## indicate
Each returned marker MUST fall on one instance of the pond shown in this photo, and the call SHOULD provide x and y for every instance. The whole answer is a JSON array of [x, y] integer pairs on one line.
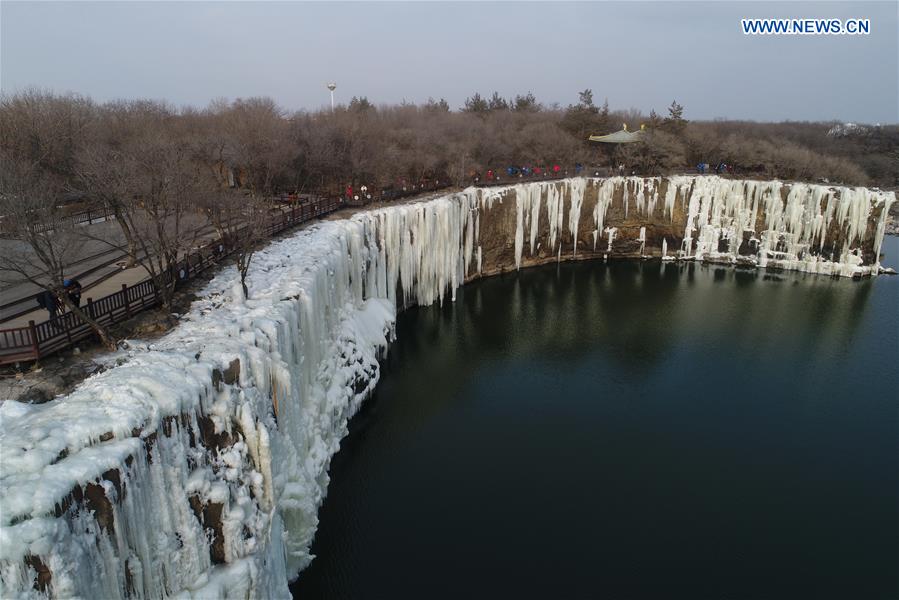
[[627, 430]]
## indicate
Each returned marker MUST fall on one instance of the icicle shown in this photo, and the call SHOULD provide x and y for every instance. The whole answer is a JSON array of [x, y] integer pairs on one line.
[[303, 349], [604, 194], [576, 189], [611, 231], [520, 204], [665, 256]]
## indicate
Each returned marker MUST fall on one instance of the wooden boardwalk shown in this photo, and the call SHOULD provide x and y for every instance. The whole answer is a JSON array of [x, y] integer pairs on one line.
[[36, 340]]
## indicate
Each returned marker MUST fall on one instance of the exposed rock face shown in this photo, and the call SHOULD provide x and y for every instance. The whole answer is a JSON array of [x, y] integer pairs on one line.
[[767, 224], [196, 463]]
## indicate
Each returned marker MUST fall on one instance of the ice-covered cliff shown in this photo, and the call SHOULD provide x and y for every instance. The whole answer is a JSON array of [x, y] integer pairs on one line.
[[195, 465], [803, 227]]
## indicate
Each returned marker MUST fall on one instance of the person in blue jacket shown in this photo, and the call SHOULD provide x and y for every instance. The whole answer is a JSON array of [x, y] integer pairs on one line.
[[73, 290]]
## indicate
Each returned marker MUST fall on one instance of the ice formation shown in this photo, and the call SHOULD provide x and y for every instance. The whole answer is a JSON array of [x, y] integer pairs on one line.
[[194, 465], [759, 223]]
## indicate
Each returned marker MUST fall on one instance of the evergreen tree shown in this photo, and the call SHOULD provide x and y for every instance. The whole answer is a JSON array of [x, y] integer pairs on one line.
[[526, 103], [497, 102], [675, 121], [437, 105], [476, 104], [586, 100], [360, 104]]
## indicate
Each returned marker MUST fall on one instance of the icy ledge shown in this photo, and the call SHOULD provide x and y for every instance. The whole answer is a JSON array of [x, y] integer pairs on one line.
[[195, 465]]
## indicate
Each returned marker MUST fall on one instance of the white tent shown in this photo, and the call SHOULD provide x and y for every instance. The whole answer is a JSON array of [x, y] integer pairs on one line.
[[619, 137]]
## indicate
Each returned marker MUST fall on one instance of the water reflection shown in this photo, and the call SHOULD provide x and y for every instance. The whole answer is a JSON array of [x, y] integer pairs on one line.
[[627, 429], [642, 308]]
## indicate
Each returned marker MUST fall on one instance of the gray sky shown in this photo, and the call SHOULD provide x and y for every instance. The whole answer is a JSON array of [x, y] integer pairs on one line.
[[637, 54]]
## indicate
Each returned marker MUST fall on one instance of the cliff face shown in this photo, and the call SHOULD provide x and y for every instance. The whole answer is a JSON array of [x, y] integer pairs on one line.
[[802, 227], [196, 465]]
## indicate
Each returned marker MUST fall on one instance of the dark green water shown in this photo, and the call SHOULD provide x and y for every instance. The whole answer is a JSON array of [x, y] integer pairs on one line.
[[629, 430]]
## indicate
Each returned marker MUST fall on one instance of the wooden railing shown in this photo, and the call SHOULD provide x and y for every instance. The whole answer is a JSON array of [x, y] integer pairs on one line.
[[37, 340], [389, 194], [88, 217]]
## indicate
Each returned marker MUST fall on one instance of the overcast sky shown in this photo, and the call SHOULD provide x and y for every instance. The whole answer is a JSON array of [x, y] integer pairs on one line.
[[637, 54]]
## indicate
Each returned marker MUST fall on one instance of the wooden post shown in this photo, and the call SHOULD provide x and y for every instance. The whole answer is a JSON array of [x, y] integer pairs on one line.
[[65, 319], [35, 346], [90, 308], [125, 296]]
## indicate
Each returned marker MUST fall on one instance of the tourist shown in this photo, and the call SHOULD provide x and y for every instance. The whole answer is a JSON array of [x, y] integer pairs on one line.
[[73, 290], [48, 300]]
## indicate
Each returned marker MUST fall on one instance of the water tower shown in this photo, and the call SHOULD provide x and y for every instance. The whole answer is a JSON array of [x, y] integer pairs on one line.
[[332, 86]]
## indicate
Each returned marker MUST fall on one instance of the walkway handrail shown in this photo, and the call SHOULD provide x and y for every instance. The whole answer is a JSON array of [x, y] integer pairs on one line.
[[89, 216], [36, 340]]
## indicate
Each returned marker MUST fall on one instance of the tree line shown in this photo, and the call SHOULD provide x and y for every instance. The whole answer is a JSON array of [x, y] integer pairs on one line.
[[266, 148], [168, 174]]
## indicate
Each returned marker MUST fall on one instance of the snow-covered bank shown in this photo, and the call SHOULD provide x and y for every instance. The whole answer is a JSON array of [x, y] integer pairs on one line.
[[195, 465]]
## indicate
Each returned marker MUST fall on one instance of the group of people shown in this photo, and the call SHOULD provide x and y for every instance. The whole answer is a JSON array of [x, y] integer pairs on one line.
[[54, 304], [721, 168], [400, 188], [361, 194], [527, 171]]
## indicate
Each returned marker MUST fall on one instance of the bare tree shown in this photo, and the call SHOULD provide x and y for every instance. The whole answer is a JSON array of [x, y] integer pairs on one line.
[[249, 138], [46, 243], [240, 220], [43, 129], [160, 180], [100, 169]]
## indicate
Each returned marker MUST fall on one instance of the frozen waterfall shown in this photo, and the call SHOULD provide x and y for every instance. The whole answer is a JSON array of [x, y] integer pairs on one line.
[[194, 465]]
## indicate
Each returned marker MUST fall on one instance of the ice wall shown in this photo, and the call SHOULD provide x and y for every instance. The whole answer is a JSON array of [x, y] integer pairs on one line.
[[803, 227], [194, 465]]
